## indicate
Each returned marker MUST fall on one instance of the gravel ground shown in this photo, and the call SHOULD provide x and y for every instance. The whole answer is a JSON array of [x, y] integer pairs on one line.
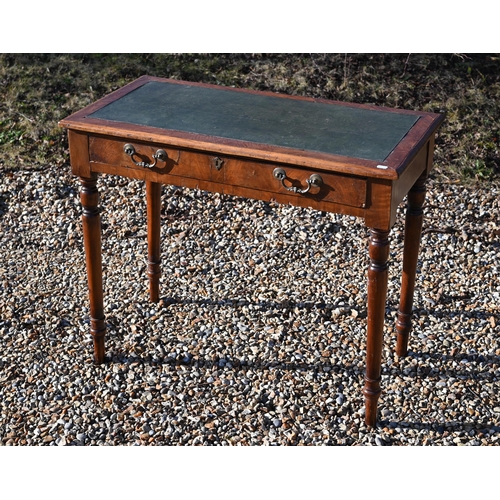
[[259, 338]]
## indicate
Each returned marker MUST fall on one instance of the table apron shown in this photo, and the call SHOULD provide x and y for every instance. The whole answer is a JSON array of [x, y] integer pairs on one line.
[[231, 175]]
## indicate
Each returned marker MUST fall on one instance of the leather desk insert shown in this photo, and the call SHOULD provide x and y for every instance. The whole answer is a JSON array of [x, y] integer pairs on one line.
[[346, 158], [262, 119]]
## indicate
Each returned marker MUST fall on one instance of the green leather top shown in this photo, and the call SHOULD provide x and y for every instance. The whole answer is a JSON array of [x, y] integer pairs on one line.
[[292, 123]]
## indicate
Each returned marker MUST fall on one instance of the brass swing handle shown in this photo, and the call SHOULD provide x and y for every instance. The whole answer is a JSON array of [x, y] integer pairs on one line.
[[314, 180], [161, 155]]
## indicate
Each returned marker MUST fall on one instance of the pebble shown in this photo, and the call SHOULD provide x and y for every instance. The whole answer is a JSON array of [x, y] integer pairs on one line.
[[231, 356]]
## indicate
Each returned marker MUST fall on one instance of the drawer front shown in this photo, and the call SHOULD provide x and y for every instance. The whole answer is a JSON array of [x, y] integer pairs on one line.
[[293, 181], [181, 163], [229, 171]]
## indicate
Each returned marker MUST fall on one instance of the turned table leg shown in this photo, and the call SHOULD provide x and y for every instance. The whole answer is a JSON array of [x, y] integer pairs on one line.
[[153, 196], [413, 230], [91, 219], [377, 292]]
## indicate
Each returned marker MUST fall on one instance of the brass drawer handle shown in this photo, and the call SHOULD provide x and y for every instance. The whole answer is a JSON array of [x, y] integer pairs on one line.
[[161, 155], [314, 180]]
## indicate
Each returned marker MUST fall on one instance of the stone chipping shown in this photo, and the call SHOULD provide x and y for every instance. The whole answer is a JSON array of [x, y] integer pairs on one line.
[[259, 338]]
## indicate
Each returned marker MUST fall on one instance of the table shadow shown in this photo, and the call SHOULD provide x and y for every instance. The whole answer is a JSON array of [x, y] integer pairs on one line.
[[464, 367], [483, 362]]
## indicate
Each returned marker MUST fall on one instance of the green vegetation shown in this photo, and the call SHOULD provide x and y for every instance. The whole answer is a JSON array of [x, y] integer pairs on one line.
[[38, 90]]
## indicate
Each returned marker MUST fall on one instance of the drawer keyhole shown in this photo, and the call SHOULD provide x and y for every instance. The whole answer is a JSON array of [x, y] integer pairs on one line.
[[217, 163]]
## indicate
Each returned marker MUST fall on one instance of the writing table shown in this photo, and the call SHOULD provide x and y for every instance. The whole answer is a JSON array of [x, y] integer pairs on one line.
[[353, 159]]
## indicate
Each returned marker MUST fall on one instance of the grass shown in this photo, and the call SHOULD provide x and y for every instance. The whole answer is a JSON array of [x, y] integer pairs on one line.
[[38, 90]]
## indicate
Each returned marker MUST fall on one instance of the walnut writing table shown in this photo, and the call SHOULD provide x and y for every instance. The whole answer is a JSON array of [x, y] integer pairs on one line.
[[337, 157]]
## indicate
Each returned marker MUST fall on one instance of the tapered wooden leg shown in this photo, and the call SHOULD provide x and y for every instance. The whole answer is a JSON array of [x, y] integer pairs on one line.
[[91, 219], [153, 195], [413, 230], [377, 292]]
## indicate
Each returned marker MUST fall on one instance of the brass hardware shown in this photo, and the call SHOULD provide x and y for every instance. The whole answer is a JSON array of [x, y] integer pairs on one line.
[[315, 180], [217, 163], [129, 149], [160, 155]]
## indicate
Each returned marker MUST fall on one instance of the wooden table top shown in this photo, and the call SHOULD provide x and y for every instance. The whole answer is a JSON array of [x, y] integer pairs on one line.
[[343, 137]]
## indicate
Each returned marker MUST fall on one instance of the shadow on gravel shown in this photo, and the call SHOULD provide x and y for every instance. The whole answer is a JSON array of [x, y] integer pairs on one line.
[[473, 366], [479, 373], [455, 431], [188, 360], [441, 428], [3, 205], [470, 370], [264, 304], [483, 361]]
